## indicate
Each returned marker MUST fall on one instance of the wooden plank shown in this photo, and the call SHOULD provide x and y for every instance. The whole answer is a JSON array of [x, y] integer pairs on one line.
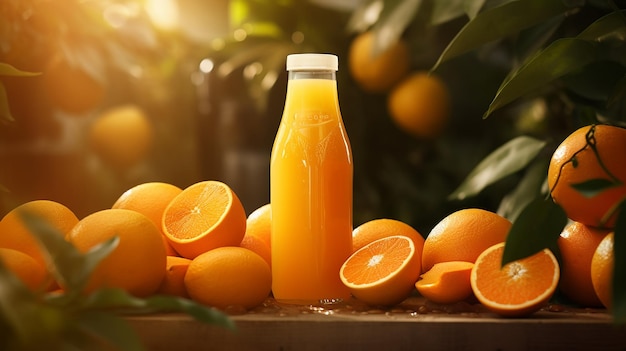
[[545, 330]]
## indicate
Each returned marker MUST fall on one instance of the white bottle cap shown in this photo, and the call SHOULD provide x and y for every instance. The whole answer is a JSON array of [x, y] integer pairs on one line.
[[316, 62]]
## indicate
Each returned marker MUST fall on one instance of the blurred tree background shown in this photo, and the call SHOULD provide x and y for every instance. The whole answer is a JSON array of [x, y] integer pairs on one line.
[[196, 90]]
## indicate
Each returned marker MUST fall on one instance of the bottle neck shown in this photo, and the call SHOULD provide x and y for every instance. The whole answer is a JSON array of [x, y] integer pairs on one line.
[[328, 75]]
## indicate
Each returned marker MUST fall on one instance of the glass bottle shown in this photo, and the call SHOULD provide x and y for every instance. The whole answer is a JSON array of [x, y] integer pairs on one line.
[[311, 173]]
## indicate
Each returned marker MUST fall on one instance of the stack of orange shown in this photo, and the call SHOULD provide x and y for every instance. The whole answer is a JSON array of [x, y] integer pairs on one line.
[[21, 251], [591, 154]]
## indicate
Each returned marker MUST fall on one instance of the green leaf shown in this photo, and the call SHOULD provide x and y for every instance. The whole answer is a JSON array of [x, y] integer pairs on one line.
[[391, 26], [199, 312], [121, 301], [597, 81], [619, 267], [71, 267], [108, 327], [562, 57], [10, 71], [364, 16], [446, 10], [506, 160], [499, 22], [527, 190], [5, 111], [537, 227], [593, 187], [610, 27]]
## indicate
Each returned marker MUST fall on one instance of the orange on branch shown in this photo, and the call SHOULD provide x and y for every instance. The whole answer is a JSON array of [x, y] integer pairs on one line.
[[593, 153], [420, 105], [377, 73]]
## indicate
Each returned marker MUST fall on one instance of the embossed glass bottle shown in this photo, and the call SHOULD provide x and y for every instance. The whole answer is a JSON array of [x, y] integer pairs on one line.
[[311, 175]]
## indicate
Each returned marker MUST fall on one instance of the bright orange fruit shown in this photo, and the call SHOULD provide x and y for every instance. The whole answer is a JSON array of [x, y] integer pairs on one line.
[[575, 162], [26, 269], [204, 216], [381, 228], [577, 244], [174, 280], [138, 262], [150, 199], [463, 235], [447, 282], [383, 272], [518, 288], [257, 245], [602, 264], [420, 105], [15, 235], [259, 224], [229, 277], [377, 73]]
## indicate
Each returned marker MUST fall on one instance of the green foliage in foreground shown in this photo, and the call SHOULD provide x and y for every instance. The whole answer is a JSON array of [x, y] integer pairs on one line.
[[73, 320]]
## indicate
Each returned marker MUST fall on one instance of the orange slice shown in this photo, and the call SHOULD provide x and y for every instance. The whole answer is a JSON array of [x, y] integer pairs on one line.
[[204, 216], [446, 282], [518, 288], [384, 271]]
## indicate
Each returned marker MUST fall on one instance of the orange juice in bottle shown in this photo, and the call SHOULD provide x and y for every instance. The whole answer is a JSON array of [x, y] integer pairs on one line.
[[311, 174]]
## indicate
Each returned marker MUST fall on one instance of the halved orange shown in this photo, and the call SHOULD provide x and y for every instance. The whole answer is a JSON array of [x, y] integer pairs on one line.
[[204, 216], [447, 282], [518, 288], [384, 271]]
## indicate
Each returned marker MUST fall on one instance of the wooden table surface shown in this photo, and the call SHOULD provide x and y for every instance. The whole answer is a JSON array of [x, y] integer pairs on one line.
[[417, 327]]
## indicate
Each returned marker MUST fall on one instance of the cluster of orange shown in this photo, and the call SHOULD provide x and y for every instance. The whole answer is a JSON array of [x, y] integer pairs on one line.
[[462, 255], [591, 154], [198, 243], [418, 102], [460, 258], [194, 242]]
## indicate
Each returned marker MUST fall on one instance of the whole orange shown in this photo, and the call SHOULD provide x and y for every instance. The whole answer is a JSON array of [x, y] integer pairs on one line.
[[373, 72], [138, 262], [32, 274], [590, 154], [420, 105], [463, 235], [174, 281], [259, 224], [150, 199], [121, 136], [15, 235], [229, 276], [577, 244], [602, 264]]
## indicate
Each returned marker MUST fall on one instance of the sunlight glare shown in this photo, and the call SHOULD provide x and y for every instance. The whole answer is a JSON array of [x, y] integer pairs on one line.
[[163, 13]]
